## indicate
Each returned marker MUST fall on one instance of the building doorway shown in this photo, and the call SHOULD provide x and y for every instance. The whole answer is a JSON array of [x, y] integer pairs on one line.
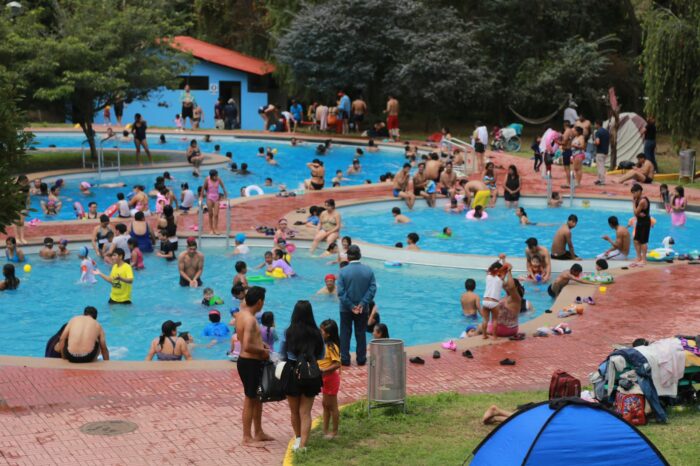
[[232, 90]]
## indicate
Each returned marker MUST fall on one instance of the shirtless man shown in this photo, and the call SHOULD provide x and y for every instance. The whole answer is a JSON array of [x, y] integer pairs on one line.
[[48, 252], [358, 110], [399, 217], [433, 167], [392, 118], [642, 173], [533, 250], [329, 287], [448, 181], [567, 136], [191, 265], [473, 187], [400, 186], [249, 364], [562, 240], [83, 339], [584, 124], [420, 184], [620, 248], [564, 278], [318, 176]]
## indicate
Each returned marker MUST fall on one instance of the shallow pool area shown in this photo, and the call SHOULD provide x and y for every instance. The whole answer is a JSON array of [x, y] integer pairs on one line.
[[419, 304], [290, 171], [502, 232]]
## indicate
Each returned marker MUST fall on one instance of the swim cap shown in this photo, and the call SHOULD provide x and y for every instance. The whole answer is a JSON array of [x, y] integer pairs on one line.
[[330, 276], [470, 327], [214, 312], [85, 184], [83, 251], [240, 237]]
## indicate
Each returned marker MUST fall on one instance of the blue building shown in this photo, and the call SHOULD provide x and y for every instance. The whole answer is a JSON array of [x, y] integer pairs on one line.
[[217, 72]]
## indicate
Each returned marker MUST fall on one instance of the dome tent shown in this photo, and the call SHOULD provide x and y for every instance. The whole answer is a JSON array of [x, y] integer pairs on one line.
[[568, 431]]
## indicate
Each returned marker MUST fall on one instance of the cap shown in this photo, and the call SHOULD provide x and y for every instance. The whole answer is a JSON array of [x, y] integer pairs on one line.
[[214, 312], [234, 310], [240, 237], [191, 241], [85, 184], [330, 276], [63, 241], [83, 251], [168, 327], [531, 241]]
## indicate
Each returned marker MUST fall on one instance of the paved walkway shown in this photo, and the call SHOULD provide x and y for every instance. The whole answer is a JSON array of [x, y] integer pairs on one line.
[[193, 417]]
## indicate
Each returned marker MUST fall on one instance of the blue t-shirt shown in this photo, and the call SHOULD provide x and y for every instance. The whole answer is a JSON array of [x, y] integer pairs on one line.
[[313, 219], [603, 135], [216, 329], [296, 110], [345, 104]]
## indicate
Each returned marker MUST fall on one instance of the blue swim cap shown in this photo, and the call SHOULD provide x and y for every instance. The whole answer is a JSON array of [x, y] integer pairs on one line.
[[470, 327], [83, 251], [240, 237]]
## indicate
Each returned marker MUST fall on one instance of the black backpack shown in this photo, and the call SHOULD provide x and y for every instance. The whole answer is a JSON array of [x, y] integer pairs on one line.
[[307, 370]]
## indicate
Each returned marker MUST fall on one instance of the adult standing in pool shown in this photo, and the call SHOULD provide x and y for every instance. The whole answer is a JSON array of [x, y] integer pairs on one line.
[[121, 278], [211, 190], [138, 128], [641, 206], [562, 244], [356, 289], [102, 235], [328, 226], [191, 265]]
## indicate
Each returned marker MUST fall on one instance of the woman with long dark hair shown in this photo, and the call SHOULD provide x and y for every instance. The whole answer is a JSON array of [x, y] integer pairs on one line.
[[302, 339], [511, 190], [10, 282]]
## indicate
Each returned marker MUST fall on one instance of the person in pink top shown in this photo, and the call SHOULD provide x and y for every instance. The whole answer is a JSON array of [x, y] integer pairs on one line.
[[549, 147], [136, 255], [211, 190], [281, 263]]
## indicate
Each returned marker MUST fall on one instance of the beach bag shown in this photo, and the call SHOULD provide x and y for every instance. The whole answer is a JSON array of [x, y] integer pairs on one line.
[[563, 384], [271, 388], [631, 407], [306, 370]]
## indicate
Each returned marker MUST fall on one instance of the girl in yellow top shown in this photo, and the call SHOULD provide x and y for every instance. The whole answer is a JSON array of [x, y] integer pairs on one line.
[[330, 370]]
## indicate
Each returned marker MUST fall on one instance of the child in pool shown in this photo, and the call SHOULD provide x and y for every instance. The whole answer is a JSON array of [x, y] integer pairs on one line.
[[87, 266], [266, 262], [330, 372], [136, 254], [210, 299], [536, 270], [241, 270], [471, 305], [215, 328], [267, 330], [555, 201], [281, 260]]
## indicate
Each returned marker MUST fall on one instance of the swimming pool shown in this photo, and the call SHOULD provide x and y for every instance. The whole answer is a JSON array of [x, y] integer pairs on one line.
[[419, 304], [502, 232], [291, 171]]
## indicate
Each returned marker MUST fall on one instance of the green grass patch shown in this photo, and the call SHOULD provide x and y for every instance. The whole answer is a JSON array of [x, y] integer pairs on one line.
[[445, 428], [44, 161]]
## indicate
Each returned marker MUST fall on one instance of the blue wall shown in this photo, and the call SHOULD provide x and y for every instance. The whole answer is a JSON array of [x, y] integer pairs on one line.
[[164, 116]]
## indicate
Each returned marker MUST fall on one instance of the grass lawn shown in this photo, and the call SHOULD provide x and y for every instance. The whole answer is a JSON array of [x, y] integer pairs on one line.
[[43, 161], [444, 429]]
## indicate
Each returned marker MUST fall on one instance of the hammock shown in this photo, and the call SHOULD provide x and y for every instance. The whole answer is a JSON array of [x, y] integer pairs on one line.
[[540, 121]]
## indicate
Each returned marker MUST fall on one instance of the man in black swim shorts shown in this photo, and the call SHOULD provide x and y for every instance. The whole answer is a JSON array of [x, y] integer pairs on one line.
[[83, 339], [641, 207]]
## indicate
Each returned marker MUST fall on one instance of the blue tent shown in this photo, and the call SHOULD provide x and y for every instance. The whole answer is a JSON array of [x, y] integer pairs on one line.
[[566, 432]]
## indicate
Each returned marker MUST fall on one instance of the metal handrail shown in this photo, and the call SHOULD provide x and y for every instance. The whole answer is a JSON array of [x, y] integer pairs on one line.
[[82, 148], [200, 223], [572, 187], [101, 159], [549, 186], [228, 223], [465, 146]]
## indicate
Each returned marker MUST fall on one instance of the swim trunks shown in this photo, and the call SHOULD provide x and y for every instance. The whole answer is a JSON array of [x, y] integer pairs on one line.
[[641, 232], [187, 112], [82, 358], [250, 372], [551, 292], [479, 148], [481, 198], [566, 157], [184, 282], [396, 192], [647, 180], [565, 256], [316, 186], [392, 122]]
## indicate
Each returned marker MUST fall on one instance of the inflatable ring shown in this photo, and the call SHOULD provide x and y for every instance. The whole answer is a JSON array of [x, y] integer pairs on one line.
[[470, 215], [392, 264], [661, 255], [443, 236], [78, 209], [598, 279], [276, 273], [260, 279], [112, 210], [253, 189]]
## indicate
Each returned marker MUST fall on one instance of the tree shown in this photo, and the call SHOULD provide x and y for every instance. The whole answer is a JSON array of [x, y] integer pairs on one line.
[[671, 68], [89, 54], [13, 143]]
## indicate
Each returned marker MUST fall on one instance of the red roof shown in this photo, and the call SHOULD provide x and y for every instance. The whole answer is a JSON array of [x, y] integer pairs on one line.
[[221, 56]]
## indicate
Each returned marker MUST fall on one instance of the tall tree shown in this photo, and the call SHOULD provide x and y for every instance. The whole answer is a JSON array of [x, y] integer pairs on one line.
[[671, 63], [90, 53]]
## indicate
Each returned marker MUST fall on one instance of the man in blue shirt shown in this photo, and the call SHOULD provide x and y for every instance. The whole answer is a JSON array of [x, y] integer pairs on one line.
[[297, 111], [356, 288], [602, 146], [344, 110]]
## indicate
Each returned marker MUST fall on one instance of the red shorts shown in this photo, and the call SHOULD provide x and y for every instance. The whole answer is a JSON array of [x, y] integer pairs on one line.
[[392, 122], [502, 330], [331, 383]]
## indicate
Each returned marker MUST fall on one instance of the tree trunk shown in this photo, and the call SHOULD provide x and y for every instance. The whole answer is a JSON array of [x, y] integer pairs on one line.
[[86, 126], [613, 137]]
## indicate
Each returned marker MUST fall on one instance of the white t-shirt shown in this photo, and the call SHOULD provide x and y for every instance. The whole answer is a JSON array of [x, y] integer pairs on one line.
[[187, 199], [86, 269], [570, 115], [494, 287], [483, 134], [242, 249], [121, 242], [124, 210]]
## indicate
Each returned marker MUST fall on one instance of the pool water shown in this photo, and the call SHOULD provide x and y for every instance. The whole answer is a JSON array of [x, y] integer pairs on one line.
[[419, 304], [502, 232], [291, 171]]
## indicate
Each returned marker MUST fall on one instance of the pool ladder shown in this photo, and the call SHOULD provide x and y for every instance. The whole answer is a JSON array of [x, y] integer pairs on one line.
[[549, 186], [200, 223], [572, 187]]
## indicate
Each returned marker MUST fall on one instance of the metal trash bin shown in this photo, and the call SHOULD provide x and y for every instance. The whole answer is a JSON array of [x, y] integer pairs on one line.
[[386, 377], [687, 164]]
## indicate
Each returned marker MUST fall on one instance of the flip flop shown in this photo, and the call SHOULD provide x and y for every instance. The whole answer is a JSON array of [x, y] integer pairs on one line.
[[416, 360], [589, 300], [507, 362], [450, 345], [517, 337], [547, 311], [436, 354], [579, 300], [468, 354]]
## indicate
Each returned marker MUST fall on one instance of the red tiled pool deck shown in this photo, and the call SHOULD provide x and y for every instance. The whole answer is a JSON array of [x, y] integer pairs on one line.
[[193, 416]]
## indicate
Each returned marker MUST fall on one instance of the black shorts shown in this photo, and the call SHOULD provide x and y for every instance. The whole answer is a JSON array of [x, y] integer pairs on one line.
[[647, 180], [316, 186], [90, 357], [250, 372], [563, 257], [187, 111], [551, 292], [358, 118], [511, 197], [184, 282], [119, 109], [111, 301], [566, 157], [417, 192], [342, 115], [479, 147], [309, 389], [641, 232], [444, 191]]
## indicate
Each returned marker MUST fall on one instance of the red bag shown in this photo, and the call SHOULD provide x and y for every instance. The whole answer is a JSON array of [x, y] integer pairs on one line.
[[631, 408], [563, 384]]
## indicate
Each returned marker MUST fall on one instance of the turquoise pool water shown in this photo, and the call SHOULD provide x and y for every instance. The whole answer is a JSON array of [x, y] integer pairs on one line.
[[502, 232], [419, 304], [291, 170]]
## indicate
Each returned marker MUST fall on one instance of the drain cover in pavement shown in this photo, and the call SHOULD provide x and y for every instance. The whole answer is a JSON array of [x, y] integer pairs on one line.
[[116, 427]]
